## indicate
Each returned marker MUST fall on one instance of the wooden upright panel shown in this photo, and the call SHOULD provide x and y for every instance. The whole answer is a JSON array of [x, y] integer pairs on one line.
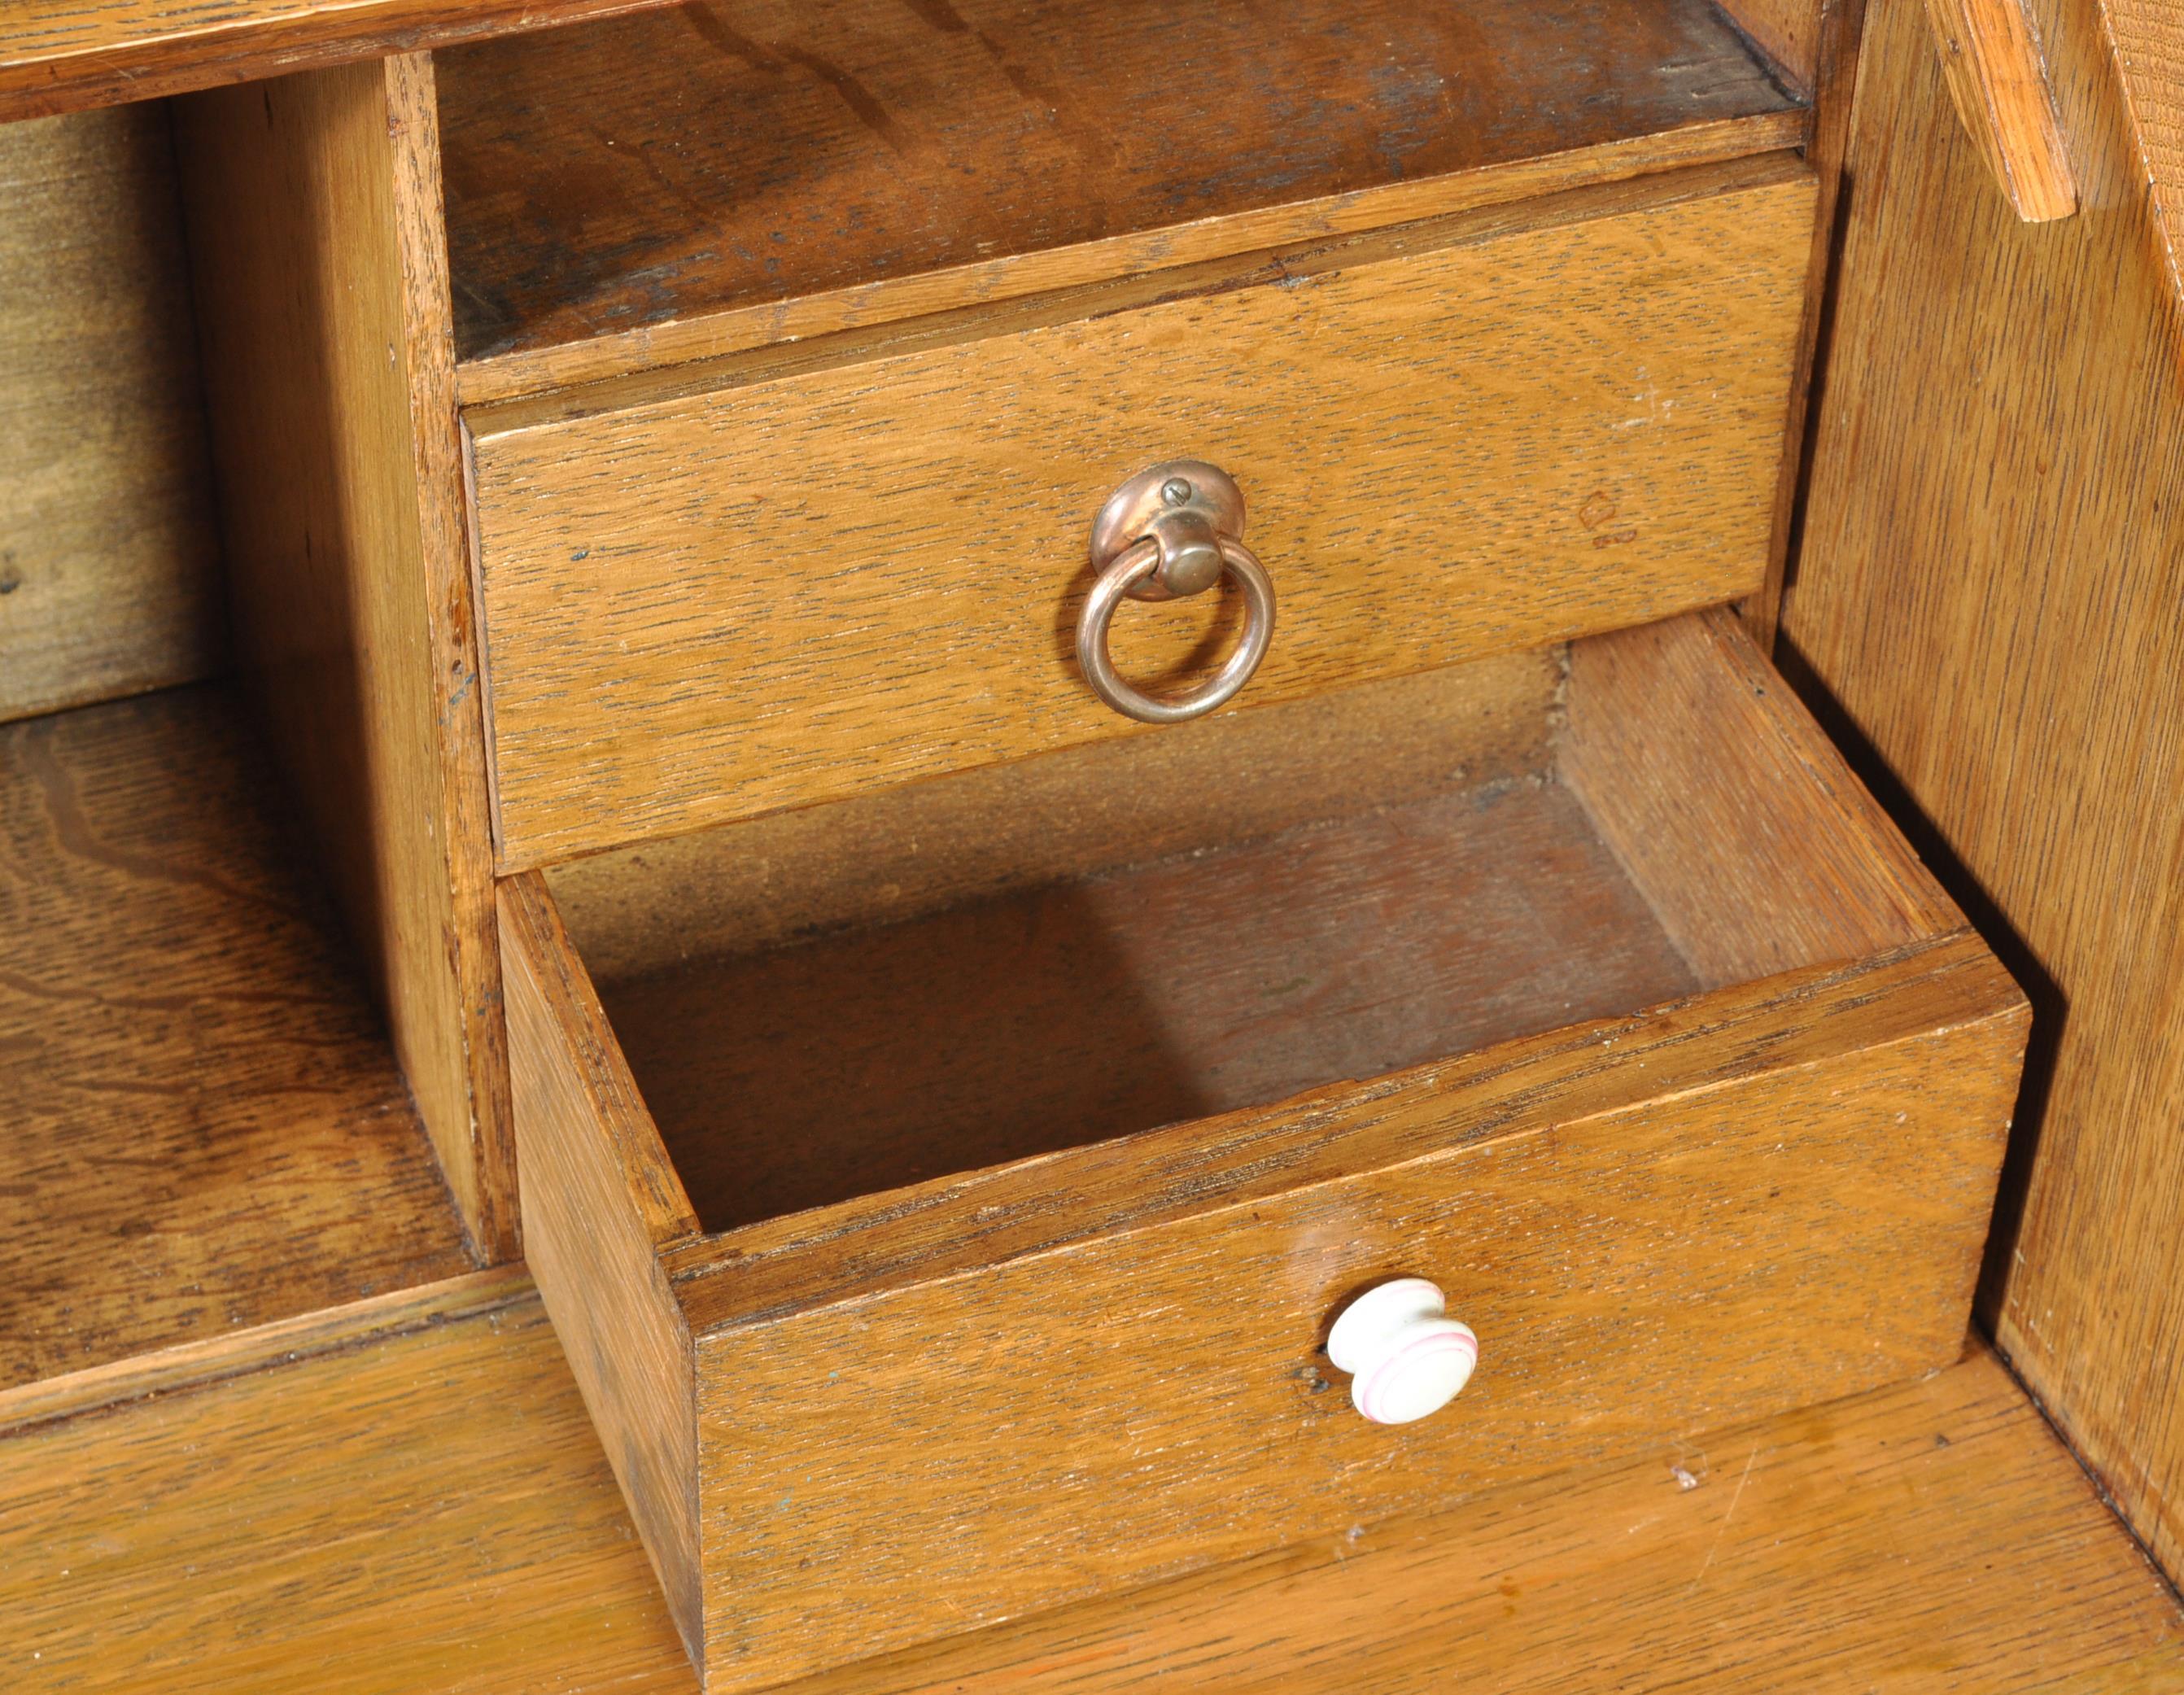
[[107, 577], [1989, 587], [313, 216]]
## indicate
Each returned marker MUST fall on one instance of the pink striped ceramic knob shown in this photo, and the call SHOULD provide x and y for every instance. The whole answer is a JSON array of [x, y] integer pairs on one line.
[[1405, 1357]]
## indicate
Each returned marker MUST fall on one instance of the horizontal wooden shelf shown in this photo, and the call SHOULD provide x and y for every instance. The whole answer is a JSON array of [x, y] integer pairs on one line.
[[432, 1513], [206, 1129], [682, 184], [68, 55]]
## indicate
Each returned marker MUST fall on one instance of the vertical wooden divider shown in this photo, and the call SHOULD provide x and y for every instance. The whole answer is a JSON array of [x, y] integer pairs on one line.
[[319, 250]]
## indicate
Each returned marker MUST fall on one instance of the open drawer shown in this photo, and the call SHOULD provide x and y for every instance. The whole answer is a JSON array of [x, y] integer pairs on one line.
[[944, 1196]]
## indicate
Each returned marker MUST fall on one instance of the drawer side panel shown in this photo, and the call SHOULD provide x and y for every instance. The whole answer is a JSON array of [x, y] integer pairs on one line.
[[593, 1215]]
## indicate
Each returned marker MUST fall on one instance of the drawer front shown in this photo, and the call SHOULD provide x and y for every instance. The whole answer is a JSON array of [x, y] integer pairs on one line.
[[845, 569], [1655, 1227]]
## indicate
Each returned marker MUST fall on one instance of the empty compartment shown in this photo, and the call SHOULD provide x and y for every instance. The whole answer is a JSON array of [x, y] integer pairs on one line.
[[841, 1002], [207, 1129]]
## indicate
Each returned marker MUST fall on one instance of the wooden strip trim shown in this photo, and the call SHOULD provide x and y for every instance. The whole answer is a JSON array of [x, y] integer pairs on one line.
[[714, 334], [215, 1359], [64, 56], [1999, 87]]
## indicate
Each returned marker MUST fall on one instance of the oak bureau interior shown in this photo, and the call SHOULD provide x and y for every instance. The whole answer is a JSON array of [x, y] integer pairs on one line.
[[720, 506]]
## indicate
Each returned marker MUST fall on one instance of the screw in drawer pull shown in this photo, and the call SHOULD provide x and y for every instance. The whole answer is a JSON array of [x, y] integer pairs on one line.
[[1405, 1357], [1170, 531]]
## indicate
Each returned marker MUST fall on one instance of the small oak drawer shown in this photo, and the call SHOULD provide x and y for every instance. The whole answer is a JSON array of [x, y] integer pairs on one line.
[[944, 1196], [792, 574]]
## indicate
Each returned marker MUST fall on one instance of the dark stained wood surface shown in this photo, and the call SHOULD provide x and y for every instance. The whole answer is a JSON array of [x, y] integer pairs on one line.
[[205, 1126], [1097, 1008], [719, 154]]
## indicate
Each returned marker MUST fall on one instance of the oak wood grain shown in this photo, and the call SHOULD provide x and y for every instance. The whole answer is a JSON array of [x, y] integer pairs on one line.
[[1788, 33], [1147, 258], [1839, 26], [206, 1129], [109, 570], [1475, 436], [591, 190], [1698, 1247], [433, 1515], [1228, 978], [599, 1200], [1116, 1339], [901, 852], [1987, 588], [1754, 861], [1991, 62], [1634, 1578], [67, 55], [322, 306]]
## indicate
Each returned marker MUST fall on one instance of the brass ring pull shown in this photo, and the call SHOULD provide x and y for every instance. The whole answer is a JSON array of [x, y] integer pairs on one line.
[[1168, 532]]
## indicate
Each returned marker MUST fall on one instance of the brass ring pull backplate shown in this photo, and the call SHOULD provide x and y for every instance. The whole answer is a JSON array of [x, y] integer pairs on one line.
[[1173, 530]]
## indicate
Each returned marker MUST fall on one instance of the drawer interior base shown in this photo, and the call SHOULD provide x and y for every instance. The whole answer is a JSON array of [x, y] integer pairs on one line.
[[1105, 1004], [839, 1003]]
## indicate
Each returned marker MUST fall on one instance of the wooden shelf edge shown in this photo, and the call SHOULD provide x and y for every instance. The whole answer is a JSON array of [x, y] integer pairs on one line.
[[431, 1512], [60, 56]]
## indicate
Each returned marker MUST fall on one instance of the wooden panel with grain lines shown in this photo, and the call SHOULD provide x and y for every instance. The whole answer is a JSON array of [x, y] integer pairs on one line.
[[313, 209], [1754, 864], [599, 1201], [108, 566], [1649, 1243], [892, 159], [1988, 589], [1758, 1155], [205, 1129], [833, 569], [902, 852], [433, 1515]]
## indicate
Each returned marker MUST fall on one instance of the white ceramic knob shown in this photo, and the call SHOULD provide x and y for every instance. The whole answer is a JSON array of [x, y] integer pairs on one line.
[[1405, 1357]]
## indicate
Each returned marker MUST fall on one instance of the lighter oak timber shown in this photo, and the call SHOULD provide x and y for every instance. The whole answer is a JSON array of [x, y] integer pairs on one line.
[[1988, 588], [1999, 86], [813, 571], [432, 1515], [321, 288]]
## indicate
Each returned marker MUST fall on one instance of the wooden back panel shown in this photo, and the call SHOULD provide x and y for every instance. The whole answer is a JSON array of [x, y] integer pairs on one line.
[[1989, 586], [108, 560]]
